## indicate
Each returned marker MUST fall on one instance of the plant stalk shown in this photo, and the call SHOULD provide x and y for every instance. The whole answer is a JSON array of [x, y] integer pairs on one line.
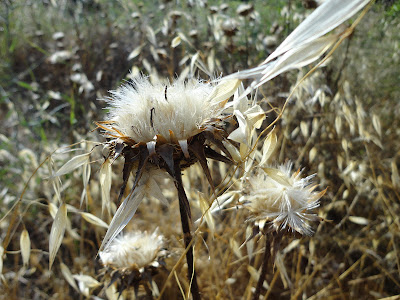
[[267, 252], [184, 209]]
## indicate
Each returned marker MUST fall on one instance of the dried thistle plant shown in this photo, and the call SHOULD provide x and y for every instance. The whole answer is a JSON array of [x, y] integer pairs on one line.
[[132, 259], [279, 203], [159, 129], [168, 128]]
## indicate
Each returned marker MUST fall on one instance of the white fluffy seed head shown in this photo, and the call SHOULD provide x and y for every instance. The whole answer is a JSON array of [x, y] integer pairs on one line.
[[141, 110], [133, 250], [285, 200]]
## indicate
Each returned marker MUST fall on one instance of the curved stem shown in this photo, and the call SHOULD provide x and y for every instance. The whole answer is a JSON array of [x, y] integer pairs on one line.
[[184, 209]]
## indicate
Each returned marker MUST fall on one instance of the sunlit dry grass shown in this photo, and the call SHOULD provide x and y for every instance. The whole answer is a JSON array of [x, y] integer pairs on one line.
[[333, 126]]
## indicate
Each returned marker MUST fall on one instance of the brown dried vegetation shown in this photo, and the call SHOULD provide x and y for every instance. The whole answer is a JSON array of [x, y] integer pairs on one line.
[[341, 123]]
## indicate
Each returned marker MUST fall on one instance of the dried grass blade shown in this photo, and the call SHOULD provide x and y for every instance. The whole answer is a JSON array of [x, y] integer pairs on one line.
[[68, 276], [296, 58], [105, 184], [193, 62], [123, 215], [156, 191], [324, 19], [73, 164], [206, 212], [57, 232], [86, 177], [135, 52]]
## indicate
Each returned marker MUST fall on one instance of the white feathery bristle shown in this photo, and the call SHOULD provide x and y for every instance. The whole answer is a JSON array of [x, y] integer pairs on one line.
[[135, 249], [282, 198], [141, 110]]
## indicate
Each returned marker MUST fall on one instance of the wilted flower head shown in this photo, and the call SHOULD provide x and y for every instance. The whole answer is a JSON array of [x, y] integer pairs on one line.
[[134, 250], [154, 114], [282, 199], [132, 259], [166, 128], [142, 110]]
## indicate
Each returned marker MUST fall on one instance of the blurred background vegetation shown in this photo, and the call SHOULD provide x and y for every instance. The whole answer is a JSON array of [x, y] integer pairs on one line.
[[59, 57]]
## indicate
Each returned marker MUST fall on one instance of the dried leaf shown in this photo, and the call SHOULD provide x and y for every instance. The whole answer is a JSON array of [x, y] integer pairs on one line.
[[277, 175], [185, 39], [105, 184], [57, 232], [89, 281], [68, 276], [86, 177], [54, 181], [94, 220], [293, 245], [25, 245], [207, 213], [123, 215], [72, 164]]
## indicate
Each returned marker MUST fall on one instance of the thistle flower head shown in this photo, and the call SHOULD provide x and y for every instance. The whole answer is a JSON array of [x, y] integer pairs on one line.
[[142, 110], [163, 128], [132, 259], [135, 251], [282, 198]]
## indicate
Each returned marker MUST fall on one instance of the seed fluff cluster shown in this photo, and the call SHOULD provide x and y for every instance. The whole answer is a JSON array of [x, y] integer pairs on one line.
[[133, 259], [144, 111], [282, 199], [134, 250]]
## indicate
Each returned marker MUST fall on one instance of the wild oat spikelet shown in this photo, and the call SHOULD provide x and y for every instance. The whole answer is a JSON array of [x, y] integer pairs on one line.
[[282, 199]]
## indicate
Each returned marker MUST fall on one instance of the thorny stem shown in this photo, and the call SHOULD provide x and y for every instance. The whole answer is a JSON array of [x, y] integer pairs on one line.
[[261, 279], [184, 209]]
